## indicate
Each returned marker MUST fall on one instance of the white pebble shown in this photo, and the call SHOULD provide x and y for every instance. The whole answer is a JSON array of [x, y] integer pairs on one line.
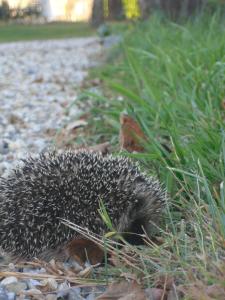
[[9, 280]]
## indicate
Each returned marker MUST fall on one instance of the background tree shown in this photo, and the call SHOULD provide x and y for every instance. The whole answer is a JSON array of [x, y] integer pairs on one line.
[[133, 9], [4, 11], [115, 9], [97, 13], [177, 8], [145, 7]]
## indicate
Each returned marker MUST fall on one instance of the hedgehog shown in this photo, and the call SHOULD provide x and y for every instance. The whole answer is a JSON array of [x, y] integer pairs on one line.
[[36, 196]]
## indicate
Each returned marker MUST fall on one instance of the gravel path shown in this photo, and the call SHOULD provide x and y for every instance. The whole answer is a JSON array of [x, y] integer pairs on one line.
[[37, 80]]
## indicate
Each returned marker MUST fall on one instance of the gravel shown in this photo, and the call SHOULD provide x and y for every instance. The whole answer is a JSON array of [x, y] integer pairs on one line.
[[38, 80]]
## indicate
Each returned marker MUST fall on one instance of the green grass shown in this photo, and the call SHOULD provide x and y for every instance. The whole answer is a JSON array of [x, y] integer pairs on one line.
[[171, 78], [55, 30]]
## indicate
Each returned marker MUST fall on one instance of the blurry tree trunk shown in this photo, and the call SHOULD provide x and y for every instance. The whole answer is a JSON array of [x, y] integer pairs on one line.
[[145, 7], [115, 9], [176, 8], [4, 10], [97, 13]]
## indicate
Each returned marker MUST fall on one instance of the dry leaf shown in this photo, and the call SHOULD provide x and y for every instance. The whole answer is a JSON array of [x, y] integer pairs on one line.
[[123, 291], [102, 148], [82, 249], [76, 124], [68, 135], [130, 134], [86, 272]]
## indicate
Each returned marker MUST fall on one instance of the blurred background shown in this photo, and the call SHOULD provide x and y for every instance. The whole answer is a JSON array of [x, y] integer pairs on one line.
[[97, 10]]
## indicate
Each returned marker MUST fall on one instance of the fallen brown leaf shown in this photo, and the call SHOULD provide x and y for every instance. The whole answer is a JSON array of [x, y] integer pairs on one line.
[[82, 249], [102, 148], [130, 134], [123, 291], [76, 124]]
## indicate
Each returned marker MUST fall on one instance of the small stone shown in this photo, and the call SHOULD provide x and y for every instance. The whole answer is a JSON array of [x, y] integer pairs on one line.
[[4, 147], [76, 289], [9, 280], [11, 296], [63, 286], [32, 292], [16, 287], [69, 294], [42, 270], [51, 297], [91, 296], [32, 283], [50, 282], [11, 267], [3, 294]]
